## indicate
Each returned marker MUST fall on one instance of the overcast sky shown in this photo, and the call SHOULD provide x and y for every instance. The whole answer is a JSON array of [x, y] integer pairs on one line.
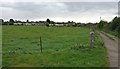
[[59, 10]]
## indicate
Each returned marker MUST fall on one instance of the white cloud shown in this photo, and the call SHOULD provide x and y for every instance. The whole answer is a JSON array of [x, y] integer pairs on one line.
[[59, 11], [59, 0]]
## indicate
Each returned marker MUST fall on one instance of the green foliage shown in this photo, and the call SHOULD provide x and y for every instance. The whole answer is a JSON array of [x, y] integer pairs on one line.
[[118, 30], [101, 24], [112, 27], [115, 25], [57, 44], [47, 22], [11, 21], [27, 21]]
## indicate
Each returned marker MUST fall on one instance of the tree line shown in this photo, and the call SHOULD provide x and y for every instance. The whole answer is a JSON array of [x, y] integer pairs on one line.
[[47, 23], [112, 26]]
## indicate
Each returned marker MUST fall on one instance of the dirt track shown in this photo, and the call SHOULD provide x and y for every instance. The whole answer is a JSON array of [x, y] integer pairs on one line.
[[112, 48]]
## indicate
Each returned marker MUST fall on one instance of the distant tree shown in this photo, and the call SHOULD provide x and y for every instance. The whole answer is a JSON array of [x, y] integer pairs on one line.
[[11, 21], [69, 22], [118, 30], [118, 25], [27, 21], [114, 23], [101, 24], [47, 22], [6, 23], [16, 21]]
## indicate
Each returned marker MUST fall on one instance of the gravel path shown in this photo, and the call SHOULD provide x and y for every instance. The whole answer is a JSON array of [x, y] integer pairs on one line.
[[112, 48]]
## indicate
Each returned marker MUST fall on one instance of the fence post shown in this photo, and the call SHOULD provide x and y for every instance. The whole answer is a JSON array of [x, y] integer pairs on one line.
[[92, 39], [41, 44]]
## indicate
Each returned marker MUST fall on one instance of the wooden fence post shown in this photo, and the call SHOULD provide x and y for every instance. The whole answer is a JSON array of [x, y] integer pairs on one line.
[[92, 39], [41, 44]]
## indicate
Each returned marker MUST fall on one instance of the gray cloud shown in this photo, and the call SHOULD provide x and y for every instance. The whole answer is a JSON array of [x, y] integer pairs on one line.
[[76, 6], [59, 0], [40, 10], [33, 9]]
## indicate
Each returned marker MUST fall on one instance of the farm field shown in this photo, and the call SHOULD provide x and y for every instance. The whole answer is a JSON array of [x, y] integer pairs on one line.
[[0, 46], [62, 47]]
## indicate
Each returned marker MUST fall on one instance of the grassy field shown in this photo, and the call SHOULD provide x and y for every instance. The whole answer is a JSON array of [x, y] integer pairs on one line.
[[0, 46], [61, 47]]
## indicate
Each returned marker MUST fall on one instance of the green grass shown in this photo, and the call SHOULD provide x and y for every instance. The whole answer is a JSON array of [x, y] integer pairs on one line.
[[114, 33], [60, 47], [0, 46]]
